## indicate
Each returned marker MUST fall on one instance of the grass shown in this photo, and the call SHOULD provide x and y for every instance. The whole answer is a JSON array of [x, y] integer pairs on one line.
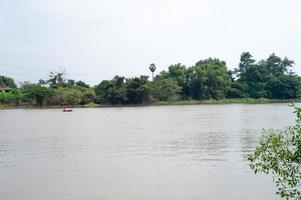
[[227, 101], [166, 103], [90, 105]]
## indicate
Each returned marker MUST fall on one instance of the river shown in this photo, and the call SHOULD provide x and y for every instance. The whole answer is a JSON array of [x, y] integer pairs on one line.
[[136, 153]]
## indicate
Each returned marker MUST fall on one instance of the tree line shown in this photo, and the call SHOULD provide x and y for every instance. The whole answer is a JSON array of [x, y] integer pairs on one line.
[[272, 78]]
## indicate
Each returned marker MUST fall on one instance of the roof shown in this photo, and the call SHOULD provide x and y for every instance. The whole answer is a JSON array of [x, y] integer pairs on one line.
[[4, 87]]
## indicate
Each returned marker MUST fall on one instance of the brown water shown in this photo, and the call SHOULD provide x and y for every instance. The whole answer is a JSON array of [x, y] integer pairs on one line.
[[145, 153]]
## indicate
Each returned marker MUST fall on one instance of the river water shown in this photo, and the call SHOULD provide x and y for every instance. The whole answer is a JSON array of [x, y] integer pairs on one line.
[[136, 153]]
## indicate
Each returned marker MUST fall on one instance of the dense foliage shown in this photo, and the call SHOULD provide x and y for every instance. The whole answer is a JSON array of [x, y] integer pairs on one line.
[[272, 78], [279, 154], [7, 81]]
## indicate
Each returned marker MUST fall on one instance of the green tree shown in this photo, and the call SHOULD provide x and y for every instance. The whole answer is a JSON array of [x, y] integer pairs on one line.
[[152, 68], [195, 86], [165, 89], [246, 62], [82, 84], [208, 79], [271, 78], [88, 96], [42, 82], [138, 90], [235, 90], [7, 81], [57, 79], [283, 87], [279, 154], [66, 97], [70, 83], [36, 94], [111, 92], [15, 97], [177, 72], [277, 66], [251, 76]]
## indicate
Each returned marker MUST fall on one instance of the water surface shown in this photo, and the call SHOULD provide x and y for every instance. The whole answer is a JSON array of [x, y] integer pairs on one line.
[[138, 153]]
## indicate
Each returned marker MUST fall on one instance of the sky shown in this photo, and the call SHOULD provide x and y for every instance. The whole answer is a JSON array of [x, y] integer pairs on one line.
[[95, 40]]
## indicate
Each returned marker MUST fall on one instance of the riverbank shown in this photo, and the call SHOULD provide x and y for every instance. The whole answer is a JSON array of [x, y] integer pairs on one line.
[[229, 101], [163, 103]]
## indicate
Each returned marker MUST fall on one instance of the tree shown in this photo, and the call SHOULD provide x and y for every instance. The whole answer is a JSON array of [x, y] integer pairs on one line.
[[70, 83], [235, 90], [279, 154], [66, 96], [177, 72], [14, 97], [218, 77], [251, 76], [112, 91], [271, 78], [56, 79], [82, 84], [137, 90], [165, 89], [152, 68], [208, 79], [246, 61], [42, 82], [283, 87], [87, 96], [195, 86], [277, 66], [7, 81], [36, 94]]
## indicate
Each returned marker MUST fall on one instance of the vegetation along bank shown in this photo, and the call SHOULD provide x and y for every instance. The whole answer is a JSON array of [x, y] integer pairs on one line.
[[208, 81]]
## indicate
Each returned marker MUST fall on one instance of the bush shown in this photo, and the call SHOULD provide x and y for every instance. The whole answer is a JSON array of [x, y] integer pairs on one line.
[[279, 154], [88, 96], [66, 96], [36, 94]]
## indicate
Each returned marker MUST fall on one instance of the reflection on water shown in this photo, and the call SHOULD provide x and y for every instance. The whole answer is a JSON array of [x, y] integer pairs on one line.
[[172, 152]]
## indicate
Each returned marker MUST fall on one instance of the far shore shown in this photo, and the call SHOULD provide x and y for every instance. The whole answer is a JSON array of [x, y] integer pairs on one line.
[[161, 103]]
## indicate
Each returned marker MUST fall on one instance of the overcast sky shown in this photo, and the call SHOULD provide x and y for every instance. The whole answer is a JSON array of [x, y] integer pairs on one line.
[[96, 39]]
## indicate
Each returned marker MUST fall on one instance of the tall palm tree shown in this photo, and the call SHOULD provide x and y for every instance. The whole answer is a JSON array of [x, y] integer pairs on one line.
[[152, 68]]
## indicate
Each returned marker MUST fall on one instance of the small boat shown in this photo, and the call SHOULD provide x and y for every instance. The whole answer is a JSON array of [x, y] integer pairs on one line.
[[67, 110]]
